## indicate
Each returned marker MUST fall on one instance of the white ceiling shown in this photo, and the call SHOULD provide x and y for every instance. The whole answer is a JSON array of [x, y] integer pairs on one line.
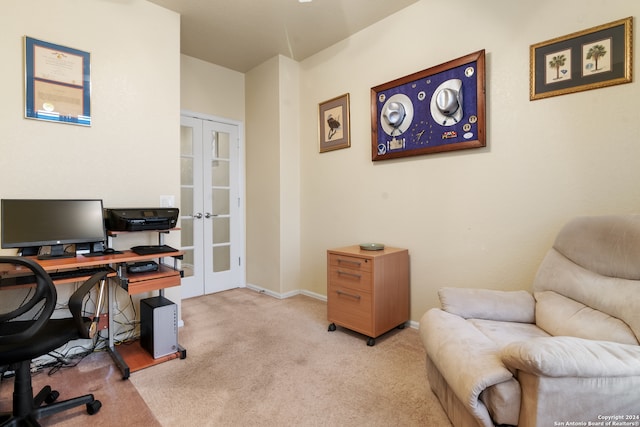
[[241, 34]]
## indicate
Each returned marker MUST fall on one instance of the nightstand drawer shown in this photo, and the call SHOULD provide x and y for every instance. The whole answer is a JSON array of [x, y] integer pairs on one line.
[[345, 261], [353, 279], [350, 309]]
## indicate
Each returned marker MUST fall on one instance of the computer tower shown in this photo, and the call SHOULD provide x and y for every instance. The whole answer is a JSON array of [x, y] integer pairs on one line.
[[158, 326]]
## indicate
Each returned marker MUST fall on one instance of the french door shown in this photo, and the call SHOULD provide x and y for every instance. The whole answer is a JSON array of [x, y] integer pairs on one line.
[[210, 214]]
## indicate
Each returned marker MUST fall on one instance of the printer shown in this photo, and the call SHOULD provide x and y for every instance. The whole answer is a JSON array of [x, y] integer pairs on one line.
[[137, 219]]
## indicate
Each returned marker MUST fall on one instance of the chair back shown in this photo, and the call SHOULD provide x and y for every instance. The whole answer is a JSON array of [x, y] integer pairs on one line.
[[595, 265], [33, 299]]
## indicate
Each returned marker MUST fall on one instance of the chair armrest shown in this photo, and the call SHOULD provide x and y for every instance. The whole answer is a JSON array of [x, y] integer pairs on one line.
[[572, 357], [76, 301], [506, 306]]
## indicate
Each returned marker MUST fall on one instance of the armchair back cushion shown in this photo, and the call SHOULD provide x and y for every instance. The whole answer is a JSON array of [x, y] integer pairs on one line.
[[592, 257]]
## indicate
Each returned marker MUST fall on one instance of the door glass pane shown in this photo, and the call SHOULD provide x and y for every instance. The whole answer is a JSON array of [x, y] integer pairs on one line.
[[186, 170], [187, 263], [220, 173], [222, 151], [186, 236], [186, 201], [221, 230], [221, 258], [186, 140], [220, 201]]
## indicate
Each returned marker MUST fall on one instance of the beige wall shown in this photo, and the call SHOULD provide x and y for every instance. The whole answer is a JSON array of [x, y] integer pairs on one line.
[[263, 176], [211, 89], [129, 156], [273, 176], [474, 218]]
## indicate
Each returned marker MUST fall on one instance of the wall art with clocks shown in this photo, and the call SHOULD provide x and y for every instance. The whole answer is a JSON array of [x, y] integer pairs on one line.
[[438, 109]]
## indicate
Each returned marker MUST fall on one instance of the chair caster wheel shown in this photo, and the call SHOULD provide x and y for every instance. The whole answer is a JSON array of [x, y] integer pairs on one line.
[[53, 395], [332, 327], [93, 407]]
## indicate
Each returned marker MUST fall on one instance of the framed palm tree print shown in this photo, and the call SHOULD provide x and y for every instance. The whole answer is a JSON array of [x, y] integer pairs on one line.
[[590, 59]]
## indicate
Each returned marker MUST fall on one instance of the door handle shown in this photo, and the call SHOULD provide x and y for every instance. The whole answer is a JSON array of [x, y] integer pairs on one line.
[[207, 215], [198, 215]]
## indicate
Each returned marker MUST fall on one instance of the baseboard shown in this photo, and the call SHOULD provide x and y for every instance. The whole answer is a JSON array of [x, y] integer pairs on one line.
[[412, 324], [286, 294]]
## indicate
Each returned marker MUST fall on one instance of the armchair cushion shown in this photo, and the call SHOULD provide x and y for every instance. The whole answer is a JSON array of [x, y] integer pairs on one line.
[[559, 315], [507, 306], [572, 357]]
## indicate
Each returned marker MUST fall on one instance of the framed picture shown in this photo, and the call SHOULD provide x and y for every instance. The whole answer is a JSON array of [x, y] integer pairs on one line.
[[57, 83], [438, 109], [589, 59], [334, 123]]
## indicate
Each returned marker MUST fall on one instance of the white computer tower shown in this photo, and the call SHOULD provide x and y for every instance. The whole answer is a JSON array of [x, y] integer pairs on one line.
[[158, 326]]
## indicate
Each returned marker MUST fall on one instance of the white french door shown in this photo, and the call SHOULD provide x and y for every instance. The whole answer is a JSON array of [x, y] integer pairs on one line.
[[210, 215]]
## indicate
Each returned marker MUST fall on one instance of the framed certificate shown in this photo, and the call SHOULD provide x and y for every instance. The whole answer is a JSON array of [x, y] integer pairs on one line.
[[57, 83]]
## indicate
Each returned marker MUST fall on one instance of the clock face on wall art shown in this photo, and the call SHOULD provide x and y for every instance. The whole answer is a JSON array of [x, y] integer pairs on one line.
[[438, 109]]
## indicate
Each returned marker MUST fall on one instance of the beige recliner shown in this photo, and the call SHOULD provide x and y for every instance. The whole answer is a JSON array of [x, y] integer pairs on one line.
[[566, 352]]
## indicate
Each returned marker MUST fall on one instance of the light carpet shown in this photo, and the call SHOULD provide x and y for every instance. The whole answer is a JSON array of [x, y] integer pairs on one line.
[[255, 360]]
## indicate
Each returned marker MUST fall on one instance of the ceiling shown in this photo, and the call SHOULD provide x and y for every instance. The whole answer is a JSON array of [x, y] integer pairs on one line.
[[241, 34]]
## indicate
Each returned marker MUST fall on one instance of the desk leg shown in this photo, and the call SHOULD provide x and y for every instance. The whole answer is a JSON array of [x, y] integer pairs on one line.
[[119, 361]]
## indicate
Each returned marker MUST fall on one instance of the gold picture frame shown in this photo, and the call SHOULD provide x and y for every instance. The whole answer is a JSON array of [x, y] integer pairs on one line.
[[590, 59], [334, 123]]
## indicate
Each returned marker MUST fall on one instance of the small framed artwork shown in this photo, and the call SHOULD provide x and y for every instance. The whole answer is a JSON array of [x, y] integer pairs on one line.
[[334, 123], [438, 109], [589, 59], [57, 83]]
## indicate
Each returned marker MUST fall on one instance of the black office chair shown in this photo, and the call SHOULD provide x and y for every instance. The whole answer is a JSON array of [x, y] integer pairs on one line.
[[28, 331]]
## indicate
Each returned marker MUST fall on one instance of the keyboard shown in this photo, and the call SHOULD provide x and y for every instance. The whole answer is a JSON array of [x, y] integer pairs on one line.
[[152, 249], [79, 272], [55, 275], [95, 254]]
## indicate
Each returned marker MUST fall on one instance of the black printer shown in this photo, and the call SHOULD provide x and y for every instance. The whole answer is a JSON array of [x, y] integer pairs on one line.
[[137, 219]]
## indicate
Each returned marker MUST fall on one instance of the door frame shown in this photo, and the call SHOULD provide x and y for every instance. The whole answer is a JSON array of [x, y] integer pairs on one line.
[[241, 186]]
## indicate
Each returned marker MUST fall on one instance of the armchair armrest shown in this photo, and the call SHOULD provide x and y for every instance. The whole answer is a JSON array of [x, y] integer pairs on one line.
[[76, 300], [506, 306], [572, 357]]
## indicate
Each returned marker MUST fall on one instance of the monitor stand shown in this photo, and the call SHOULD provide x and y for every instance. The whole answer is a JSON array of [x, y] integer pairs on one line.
[[57, 252]]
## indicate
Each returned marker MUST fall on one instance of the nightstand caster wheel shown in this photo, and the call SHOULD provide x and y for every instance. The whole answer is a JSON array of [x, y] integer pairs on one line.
[[51, 397], [332, 327], [401, 326], [371, 342], [93, 407]]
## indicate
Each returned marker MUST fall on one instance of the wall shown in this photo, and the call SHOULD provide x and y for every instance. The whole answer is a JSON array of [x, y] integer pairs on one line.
[[472, 218], [263, 176], [130, 154], [273, 177], [211, 89]]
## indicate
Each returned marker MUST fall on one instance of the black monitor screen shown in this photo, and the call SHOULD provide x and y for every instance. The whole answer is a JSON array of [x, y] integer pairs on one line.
[[28, 223]]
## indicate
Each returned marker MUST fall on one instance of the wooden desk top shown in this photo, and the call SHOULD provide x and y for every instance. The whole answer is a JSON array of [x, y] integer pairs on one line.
[[83, 262], [53, 265]]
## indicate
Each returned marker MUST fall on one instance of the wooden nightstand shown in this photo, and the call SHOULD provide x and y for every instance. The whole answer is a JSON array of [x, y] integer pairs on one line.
[[367, 291]]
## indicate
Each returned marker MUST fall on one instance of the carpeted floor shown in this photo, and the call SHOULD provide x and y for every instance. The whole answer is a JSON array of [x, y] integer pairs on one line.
[[254, 360]]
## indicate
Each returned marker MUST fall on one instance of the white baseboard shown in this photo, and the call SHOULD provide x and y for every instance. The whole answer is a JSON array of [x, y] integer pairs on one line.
[[412, 324]]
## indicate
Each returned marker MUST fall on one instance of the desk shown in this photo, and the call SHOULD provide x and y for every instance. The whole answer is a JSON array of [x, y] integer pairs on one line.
[[134, 357]]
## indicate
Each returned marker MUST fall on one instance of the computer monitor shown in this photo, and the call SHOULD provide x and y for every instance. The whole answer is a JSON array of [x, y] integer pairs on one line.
[[29, 224]]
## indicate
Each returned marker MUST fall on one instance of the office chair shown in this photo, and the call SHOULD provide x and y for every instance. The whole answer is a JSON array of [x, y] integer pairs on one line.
[[28, 331]]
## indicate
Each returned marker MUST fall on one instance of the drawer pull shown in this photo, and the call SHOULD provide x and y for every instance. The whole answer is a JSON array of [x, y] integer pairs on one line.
[[347, 261], [339, 292], [345, 273]]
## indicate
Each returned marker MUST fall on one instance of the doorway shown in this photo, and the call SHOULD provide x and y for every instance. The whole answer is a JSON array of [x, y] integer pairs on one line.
[[211, 219]]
